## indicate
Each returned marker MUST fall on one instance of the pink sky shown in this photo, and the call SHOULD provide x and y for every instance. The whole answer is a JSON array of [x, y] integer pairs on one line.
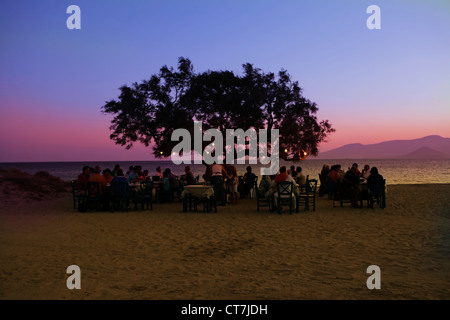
[[31, 135], [372, 85]]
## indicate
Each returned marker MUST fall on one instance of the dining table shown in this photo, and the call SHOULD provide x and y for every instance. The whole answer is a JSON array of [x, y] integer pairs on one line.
[[195, 191]]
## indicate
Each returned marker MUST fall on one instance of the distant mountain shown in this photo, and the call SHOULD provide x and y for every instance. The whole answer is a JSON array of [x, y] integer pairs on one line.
[[425, 153], [429, 147]]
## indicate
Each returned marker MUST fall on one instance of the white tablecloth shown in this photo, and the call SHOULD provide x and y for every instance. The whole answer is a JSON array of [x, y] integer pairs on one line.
[[197, 190]]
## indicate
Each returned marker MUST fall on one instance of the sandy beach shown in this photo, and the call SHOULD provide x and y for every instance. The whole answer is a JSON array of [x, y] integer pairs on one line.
[[237, 253]]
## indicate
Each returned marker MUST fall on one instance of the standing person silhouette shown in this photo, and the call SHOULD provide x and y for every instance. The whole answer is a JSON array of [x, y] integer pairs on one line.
[[218, 173], [232, 182], [249, 181]]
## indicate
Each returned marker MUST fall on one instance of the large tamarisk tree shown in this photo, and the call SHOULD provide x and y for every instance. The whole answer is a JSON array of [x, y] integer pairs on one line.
[[148, 112]]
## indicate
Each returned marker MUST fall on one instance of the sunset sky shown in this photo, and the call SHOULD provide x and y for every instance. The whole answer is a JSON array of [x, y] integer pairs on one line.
[[372, 85]]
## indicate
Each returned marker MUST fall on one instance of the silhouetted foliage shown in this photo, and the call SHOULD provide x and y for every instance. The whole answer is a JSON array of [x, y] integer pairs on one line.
[[150, 111]]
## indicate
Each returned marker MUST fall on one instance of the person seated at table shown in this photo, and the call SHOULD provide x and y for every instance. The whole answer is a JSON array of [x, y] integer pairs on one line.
[[331, 181], [83, 178], [375, 182], [366, 172], [355, 165], [170, 175], [337, 173], [159, 173], [323, 179], [283, 176], [325, 170], [130, 168], [108, 176], [293, 172], [174, 182], [133, 175], [165, 187], [300, 177], [332, 169], [249, 181], [145, 176], [115, 170], [265, 185], [138, 171], [188, 177], [165, 182], [120, 176], [333, 177], [350, 184], [98, 177]]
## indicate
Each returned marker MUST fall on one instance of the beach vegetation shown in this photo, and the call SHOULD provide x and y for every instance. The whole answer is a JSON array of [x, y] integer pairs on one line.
[[39, 186]]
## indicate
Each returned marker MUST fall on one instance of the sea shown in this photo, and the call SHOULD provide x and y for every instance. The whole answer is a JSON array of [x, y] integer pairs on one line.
[[395, 171]]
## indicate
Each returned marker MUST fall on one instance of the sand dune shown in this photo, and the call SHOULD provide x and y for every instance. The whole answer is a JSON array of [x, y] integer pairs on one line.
[[238, 253]]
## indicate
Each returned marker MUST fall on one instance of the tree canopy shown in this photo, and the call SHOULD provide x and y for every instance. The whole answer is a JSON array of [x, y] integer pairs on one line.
[[148, 112]]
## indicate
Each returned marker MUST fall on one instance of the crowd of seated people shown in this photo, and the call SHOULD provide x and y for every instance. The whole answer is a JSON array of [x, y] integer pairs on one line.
[[119, 176], [170, 185], [350, 181], [162, 181], [228, 184], [269, 184]]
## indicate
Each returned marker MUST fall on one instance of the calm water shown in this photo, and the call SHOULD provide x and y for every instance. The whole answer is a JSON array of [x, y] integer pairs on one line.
[[395, 171]]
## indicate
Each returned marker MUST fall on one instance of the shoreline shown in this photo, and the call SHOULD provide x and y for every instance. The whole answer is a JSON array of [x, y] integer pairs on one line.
[[237, 253]]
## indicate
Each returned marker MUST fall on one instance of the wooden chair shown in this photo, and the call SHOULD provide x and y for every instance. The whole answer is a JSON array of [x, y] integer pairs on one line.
[[78, 195], [302, 187], [166, 195], [208, 203], [308, 196], [176, 188], [119, 195], [331, 188], [343, 194], [284, 195], [145, 195], [94, 196], [377, 194], [262, 201]]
